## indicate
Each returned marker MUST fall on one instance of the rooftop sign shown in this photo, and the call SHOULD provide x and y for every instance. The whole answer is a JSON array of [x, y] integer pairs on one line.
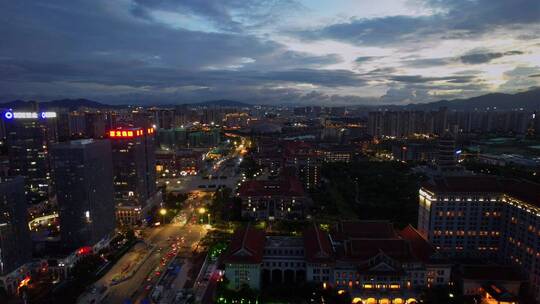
[[9, 115]]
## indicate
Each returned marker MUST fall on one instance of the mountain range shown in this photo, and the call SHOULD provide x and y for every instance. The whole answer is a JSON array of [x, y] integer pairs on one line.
[[528, 100], [74, 104]]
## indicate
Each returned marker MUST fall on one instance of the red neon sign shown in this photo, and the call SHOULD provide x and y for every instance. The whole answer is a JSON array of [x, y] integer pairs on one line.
[[126, 133]]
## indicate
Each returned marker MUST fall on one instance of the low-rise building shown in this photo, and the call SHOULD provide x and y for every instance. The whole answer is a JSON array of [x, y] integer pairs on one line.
[[243, 258], [493, 283], [283, 198], [368, 259], [336, 153]]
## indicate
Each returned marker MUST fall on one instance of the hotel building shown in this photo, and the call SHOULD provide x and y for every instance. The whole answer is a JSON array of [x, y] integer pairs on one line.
[[486, 217]]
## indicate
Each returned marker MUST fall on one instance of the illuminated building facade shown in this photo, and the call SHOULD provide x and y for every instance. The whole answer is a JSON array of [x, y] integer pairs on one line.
[[134, 171], [84, 183], [28, 136], [303, 156], [283, 198], [15, 242], [337, 153], [367, 259], [482, 216]]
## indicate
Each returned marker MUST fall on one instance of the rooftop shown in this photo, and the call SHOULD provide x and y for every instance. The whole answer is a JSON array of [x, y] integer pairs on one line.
[[421, 248], [318, 248], [284, 186], [522, 190], [247, 246], [284, 241], [364, 229]]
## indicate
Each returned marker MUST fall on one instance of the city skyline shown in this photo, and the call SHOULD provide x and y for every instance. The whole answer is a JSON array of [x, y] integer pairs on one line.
[[270, 151], [302, 52]]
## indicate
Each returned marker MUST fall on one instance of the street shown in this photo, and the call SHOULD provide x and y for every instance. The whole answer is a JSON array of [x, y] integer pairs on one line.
[[134, 278], [147, 271]]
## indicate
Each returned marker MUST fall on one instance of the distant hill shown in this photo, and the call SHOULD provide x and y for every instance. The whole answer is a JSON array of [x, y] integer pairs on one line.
[[222, 103], [73, 104], [528, 100]]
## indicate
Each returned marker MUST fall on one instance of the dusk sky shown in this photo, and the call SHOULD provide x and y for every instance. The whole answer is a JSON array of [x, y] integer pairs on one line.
[[335, 52]]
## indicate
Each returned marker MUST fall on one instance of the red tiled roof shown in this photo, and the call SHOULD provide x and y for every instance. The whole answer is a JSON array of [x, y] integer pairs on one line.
[[317, 246], [285, 186], [296, 145], [298, 148], [246, 247], [364, 249], [364, 229], [420, 247]]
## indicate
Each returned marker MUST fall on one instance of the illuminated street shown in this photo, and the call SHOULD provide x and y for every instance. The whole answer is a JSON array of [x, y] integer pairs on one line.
[[137, 286]]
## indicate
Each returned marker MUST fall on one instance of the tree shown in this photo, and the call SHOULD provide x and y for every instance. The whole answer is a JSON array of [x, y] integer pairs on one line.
[[85, 268], [249, 166]]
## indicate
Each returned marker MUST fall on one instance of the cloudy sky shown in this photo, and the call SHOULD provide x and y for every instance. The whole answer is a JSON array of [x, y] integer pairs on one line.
[[332, 52]]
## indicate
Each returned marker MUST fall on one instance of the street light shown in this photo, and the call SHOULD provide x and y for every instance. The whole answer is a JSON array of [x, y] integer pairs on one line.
[[163, 211], [202, 211]]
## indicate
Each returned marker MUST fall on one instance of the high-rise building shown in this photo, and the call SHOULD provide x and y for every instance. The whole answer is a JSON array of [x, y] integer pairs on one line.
[[484, 217], [15, 242], [447, 156], [303, 156], [28, 136], [84, 187], [95, 124], [134, 167]]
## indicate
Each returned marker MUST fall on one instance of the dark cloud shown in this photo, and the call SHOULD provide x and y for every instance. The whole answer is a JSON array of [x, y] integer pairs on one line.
[[377, 31], [519, 78], [427, 62], [478, 58], [292, 60], [363, 59], [422, 79], [457, 19], [472, 57], [179, 51], [98, 47], [231, 15]]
